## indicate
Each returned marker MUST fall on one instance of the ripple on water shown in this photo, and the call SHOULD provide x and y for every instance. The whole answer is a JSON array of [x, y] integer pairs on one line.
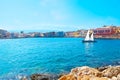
[[54, 55]]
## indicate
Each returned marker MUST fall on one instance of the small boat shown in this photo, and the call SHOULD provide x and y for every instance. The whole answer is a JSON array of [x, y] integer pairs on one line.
[[89, 37]]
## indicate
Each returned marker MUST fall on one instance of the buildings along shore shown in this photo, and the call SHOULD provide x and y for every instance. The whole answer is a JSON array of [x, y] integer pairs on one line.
[[102, 32]]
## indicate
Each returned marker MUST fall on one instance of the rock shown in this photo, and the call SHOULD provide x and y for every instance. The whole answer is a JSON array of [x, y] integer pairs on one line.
[[82, 73], [118, 77], [61, 74], [98, 78], [39, 77], [103, 68], [112, 71], [43, 77], [79, 71], [114, 78], [85, 77], [68, 77], [87, 73]]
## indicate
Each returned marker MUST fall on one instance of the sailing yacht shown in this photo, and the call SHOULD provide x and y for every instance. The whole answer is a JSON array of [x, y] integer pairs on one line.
[[89, 37]]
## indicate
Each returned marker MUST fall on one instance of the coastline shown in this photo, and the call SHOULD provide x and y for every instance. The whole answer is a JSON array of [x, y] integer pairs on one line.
[[79, 73], [88, 73], [111, 38]]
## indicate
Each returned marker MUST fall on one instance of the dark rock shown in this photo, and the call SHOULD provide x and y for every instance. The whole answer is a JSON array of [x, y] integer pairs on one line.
[[102, 68], [44, 77]]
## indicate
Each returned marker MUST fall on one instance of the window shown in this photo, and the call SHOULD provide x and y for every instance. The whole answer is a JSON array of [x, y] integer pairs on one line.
[[95, 31], [107, 30]]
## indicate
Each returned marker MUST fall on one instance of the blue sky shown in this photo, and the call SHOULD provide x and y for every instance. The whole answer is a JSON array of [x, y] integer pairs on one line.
[[58, 14]]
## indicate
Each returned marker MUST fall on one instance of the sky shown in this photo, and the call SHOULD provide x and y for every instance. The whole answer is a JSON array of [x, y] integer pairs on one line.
[[60, 15]]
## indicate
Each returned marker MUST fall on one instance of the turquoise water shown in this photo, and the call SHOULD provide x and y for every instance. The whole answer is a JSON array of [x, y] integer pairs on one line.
[[54, 55]]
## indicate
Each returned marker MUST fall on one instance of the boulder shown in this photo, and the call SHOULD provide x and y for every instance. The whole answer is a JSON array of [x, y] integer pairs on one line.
[[85, 77], [111, 71], [83, 73], [79, 71], [118, 77], [68, 77], [43, 77], [98, 78], [103, 68], [114, 78]]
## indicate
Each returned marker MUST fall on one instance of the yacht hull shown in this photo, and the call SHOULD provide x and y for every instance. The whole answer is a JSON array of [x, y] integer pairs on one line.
[[88, 41]]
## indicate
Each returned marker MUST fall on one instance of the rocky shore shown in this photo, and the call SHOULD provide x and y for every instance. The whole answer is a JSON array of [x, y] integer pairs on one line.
[[82, 73], [88, 73]]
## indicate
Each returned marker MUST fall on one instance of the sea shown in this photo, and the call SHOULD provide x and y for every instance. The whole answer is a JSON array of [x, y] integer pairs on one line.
[[28, 56]]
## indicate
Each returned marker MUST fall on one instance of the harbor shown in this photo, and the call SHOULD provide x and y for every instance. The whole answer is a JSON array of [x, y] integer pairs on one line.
[[107, 32], [59, 39], [54, 55]]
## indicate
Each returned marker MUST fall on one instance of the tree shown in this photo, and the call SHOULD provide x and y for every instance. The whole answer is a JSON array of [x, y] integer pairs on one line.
[[104, 26]]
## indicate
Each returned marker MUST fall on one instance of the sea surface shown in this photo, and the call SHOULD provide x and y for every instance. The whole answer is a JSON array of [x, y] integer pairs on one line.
[[54, 55]]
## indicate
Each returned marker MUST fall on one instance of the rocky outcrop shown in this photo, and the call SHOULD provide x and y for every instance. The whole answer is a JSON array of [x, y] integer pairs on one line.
[[44, 77], [83, 73], [111, 71], [88, 73]]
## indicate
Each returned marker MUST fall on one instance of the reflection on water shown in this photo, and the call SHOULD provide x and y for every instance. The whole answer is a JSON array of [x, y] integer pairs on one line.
[[88, 47], [88, 53]]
